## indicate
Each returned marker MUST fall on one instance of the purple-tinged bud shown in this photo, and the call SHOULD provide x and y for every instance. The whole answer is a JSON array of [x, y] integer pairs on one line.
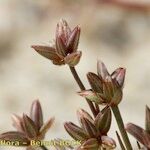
[[89, 127], [60, 47], [108, 143], [103, 121], [75, 132], [63, 30], [36, 114], [90, 144], [95, 82], [81, 113], [73, 41], [102, 70], [73, 58], [29, 127], [119, 76]]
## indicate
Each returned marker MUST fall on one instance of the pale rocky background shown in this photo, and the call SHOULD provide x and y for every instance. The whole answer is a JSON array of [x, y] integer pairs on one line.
[[116, 35]]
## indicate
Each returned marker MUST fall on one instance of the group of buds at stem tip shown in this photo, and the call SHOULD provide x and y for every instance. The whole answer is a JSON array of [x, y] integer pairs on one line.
[[92, 132], [28, 127], [106, 88], [64, 50]]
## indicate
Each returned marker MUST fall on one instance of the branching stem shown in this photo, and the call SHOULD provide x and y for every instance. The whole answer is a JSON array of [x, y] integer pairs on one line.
[[80, 84]]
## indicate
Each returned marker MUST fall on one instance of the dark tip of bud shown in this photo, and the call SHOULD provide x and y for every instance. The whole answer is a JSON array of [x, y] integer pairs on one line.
[[121, 76], [102, 70]]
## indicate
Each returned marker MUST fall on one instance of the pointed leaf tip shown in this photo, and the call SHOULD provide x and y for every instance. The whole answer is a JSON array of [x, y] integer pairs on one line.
[[49, 53]]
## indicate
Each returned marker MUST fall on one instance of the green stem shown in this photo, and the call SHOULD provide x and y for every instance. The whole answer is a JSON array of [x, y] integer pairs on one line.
[[120, 123], [120, 141], [43, 147], [80, 84]]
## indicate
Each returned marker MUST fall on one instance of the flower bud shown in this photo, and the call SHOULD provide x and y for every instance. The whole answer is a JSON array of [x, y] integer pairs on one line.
[[90, 144], [64, 51], [84, 114], [119, 76], [102, 70], [73, 58], [103, 121], [89, 127], [29, 127], [108, 142], [60, 47], [75, 132], [63, 30], [95, 82], [36, 114], [73, 40]]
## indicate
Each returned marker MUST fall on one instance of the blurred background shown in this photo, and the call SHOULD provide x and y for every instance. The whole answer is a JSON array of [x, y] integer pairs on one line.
[[114, 31]]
